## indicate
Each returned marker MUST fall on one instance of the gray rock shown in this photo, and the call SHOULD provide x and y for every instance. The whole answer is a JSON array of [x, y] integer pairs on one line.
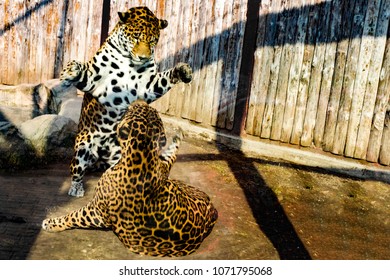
[[71, 108], [50, 135], [14, 151], [23, 102]]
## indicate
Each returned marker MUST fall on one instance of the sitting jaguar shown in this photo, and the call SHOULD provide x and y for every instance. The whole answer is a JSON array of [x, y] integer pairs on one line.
[[122, 71], [149, 212]]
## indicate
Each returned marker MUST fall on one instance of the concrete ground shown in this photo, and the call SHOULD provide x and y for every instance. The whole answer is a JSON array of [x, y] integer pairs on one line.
[[268, 209]]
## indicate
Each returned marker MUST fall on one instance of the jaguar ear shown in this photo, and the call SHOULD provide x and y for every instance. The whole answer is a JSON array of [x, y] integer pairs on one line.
[[123, 16], [123, 132], [162, 23]]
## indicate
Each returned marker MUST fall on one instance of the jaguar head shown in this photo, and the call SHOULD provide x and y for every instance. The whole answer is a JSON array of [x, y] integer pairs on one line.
[[141, 129], [139, 32]]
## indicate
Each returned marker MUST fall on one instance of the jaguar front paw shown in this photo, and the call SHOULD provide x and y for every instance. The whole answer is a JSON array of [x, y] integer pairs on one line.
[[71, 72], [182, 73], [178, 136]]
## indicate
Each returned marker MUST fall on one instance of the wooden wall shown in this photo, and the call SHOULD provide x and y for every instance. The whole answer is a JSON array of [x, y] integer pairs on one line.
[[36, 36], [304, 72], [321, 76]]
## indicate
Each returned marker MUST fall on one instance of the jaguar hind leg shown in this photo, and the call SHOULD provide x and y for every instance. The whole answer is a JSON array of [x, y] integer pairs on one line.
[[76, 189], [84, 158], [86, 217]]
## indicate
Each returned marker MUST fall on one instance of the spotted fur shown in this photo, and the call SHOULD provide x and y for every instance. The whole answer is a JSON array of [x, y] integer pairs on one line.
[[122, 71], [149, 212]]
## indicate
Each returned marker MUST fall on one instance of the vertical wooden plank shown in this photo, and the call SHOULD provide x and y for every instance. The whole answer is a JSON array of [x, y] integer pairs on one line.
[[94, 25], [33, 35], [196, 50], [178, 50], [52, 21], [382, 101], [163, 11], [211, 83], [3, 58], [349, 78], [6, 37], [362, 76], [295, 71], [338, 77], [12, 41], [188, 37], [384, 156], [205, 13], [279, 24], [21, 48], [327, 74], [378, 49], [225, 47], [317, 65], [236, 38], [290, 18], [62, 11], [40, 45], [166, 52], [257, 97], [181, 54], [68, 34], [266, 64], [304, 81]]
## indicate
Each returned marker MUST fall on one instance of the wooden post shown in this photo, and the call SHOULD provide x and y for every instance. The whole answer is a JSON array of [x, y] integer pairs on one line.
[[338, 77], [349, 79], [362, 77], [276, 24], [378, 128], [378, 49], [295, 73], [257, 97], [289, 18], [304, 79], [317, 66]]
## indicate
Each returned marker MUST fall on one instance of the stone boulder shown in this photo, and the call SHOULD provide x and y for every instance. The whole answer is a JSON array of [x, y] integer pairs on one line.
[[20, 103], [50, 136], [37, 123], [15, 152]]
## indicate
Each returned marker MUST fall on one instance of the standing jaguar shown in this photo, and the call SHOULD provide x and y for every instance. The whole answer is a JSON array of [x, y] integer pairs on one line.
[[150, 213], [122, 71]]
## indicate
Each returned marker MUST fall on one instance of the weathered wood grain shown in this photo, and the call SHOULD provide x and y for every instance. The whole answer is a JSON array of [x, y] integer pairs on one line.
[[377, 56], [381, 106], [286, 56], [347, 92], [295, 73], [257, 97], [362, 74], [276, 28], [338, 75], [317, 65], [304, 79]]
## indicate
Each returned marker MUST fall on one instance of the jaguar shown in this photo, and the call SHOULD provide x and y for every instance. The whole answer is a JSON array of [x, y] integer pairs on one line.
[[122, 71], [150, 213]]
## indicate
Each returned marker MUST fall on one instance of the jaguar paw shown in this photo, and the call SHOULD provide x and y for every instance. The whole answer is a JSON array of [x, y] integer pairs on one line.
[[71, 72], [183, 72]]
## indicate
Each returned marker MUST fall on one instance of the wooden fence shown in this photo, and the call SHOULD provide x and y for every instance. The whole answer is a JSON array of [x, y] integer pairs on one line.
[[305, 72]]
